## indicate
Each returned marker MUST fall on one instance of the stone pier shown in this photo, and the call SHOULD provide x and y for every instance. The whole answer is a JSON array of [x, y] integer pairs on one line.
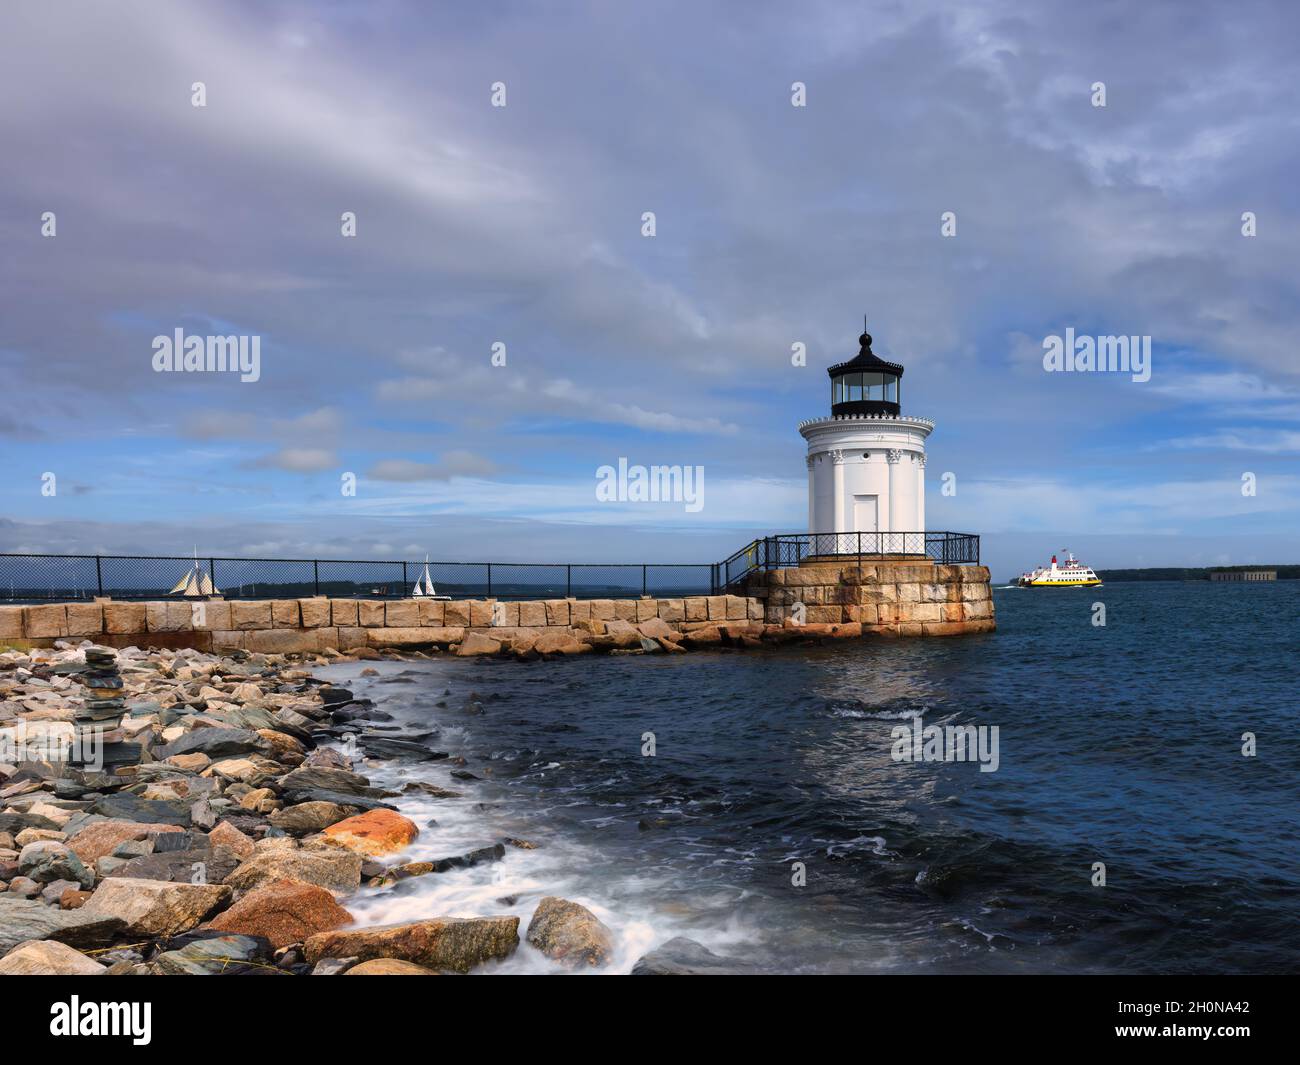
[[826, 599]]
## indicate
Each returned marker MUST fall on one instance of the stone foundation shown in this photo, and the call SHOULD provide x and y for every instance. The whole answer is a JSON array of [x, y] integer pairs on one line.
[[890, 598]]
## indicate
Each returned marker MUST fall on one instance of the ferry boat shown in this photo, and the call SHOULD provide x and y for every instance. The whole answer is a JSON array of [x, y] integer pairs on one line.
[[1071, 574]]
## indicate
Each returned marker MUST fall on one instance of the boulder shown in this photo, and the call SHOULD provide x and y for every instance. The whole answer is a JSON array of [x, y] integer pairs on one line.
[[124, 806], [685, 957], [284, 912], [154, 907], [46, 958], [569, 933], [323, 778], [475, 643], [389, 967], [657, 629], [23, 919], [179, 867], [102, 838], [396, 747], [47, 862], [228, 836], [332, 868], [308, 817], [227, 955], [452, 943], [215, 743], [375, 833], [559, 643]]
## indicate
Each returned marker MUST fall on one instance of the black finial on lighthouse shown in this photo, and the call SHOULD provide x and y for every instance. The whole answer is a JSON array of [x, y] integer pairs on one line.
[[866, 384]]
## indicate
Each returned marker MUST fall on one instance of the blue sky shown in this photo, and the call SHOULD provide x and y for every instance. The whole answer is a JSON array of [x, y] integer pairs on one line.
[[522, 224]]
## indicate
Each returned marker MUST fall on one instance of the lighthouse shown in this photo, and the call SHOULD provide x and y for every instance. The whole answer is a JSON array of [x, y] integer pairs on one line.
[[866, 463]]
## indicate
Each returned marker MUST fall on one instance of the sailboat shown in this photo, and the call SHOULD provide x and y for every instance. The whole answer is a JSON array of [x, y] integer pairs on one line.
[[427, 591], [195, 582]]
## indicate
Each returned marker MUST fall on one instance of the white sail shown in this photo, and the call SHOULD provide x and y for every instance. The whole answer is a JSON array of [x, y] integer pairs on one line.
[[194, 583]]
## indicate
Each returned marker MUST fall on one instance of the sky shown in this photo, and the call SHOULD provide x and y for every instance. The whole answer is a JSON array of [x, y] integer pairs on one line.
[[523, 225]]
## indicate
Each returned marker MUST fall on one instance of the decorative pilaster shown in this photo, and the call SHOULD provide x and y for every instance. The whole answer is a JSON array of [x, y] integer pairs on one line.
[[920, 492], [812, 493], [837, 494], [893, 456]]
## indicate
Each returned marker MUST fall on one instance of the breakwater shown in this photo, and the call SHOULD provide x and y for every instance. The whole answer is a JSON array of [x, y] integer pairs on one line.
[[815, 601]]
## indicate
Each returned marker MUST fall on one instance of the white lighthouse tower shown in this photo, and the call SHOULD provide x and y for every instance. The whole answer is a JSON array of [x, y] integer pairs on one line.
[[866, 463]]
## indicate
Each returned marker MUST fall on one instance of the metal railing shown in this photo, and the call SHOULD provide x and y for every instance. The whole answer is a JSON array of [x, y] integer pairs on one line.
[[789, 549], [36, 578]]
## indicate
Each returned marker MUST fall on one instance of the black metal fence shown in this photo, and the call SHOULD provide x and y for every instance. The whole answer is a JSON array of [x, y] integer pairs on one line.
[[776, 552], [27, 578], [34, 578]]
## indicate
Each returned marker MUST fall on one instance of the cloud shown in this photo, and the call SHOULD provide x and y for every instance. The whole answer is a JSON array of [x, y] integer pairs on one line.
[[298, 460], [453, 464]]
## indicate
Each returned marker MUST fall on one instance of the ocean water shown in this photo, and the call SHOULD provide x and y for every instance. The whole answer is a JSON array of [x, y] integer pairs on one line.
[[1119, 744]]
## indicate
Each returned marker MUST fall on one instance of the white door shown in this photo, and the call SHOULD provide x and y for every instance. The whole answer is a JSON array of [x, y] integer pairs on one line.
[[866, 513]]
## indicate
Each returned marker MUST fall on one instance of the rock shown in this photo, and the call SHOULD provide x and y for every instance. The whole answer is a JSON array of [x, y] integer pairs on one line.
[[333, 966], [102, 837], [179, 867], [53, 862], [685, 957], [52, 893], [203, 814], [227, 955], [154, 907], [323, 778], [389, 967], [559, 643], [333, 868], [657, 628], [24, 887], [260, 800], [452, 943], [46, 958], [39, 835], [23, 919], [215, 743], [124, 806], [375, 833], [308, 817], [193, 763], [284, 912], [475, 643], [338, 798], [569, 933], [431, 790], [227, 835], [244, 770], [396, 747]]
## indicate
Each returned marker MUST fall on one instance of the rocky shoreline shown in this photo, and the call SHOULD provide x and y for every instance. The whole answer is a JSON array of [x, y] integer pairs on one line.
[[174, 812]]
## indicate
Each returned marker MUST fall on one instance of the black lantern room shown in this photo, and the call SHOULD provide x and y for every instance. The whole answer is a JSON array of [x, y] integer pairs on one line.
[[865, 384]]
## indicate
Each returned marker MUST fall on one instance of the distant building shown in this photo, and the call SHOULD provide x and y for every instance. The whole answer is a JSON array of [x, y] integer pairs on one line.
[[1243, 575]]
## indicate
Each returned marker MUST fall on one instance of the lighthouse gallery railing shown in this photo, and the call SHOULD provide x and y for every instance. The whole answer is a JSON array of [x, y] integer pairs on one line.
[[790, 549]]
